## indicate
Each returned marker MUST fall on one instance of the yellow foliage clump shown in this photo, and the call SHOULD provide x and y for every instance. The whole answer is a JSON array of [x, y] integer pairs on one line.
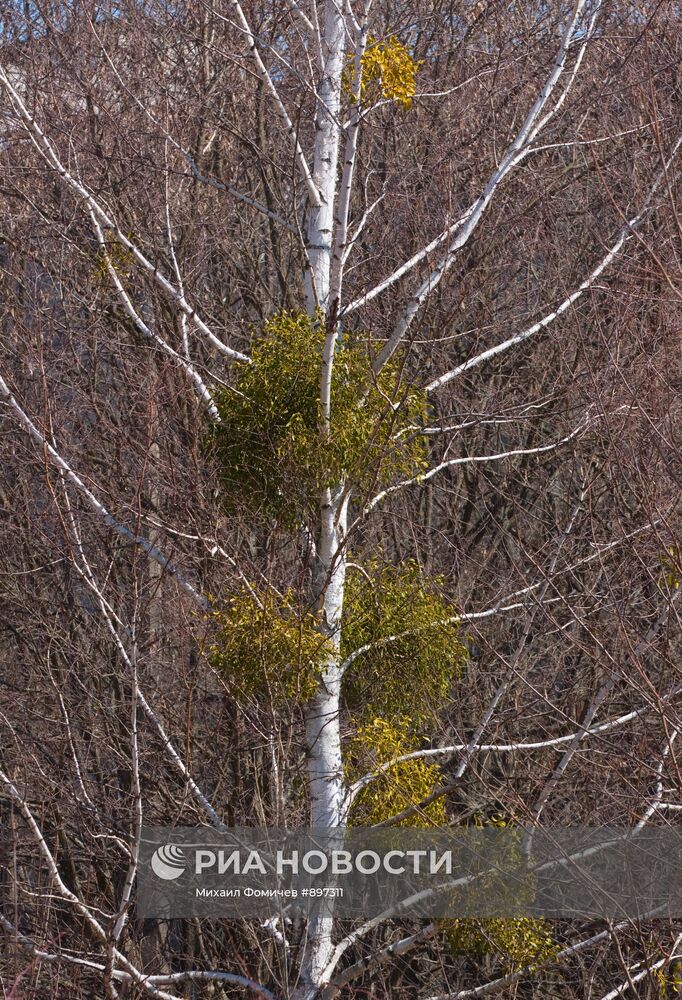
[[273, 458], [669, 980], [410, 634], [269, 645], [399, 787], [114, 255], [389, 67], [517, 941], [670, 569]]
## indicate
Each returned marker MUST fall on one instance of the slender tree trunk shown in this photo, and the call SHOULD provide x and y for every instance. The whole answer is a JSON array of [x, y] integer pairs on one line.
[[323, 736], [325, 165]]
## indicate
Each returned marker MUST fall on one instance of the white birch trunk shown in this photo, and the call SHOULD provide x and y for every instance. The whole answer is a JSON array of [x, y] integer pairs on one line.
[[323, 736], [325, 165]]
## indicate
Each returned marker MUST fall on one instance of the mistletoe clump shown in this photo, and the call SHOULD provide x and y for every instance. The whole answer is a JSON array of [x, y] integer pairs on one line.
[[398, 787], [670, 569], [272, 453], [408, 654], [409, 634], [113, 254], [389, 67], [516, 941], [269, 646], [669, 979]]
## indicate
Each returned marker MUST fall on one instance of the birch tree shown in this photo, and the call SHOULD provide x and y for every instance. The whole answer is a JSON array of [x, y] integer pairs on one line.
[[340, 407]]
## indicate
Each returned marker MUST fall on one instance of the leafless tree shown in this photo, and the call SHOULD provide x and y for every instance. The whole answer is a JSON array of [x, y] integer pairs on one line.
[[492, 212]]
